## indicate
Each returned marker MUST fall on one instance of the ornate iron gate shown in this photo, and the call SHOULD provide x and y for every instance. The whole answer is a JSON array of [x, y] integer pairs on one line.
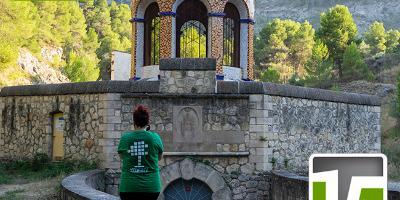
[[187, 190]]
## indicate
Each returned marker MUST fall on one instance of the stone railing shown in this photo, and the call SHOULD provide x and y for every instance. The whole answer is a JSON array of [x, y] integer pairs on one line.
[[85, 185], [288, 186]]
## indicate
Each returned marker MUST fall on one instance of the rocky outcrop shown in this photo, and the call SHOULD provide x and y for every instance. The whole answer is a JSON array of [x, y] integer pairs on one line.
[[41, 71], [364, 12]]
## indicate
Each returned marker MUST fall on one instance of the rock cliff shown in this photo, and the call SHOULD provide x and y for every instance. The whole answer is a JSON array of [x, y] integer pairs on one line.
[[42, 71]]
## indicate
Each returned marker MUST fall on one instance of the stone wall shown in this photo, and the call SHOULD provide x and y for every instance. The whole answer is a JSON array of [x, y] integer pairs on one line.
[[239, 130], [297, 128], [26, 125], [88, 110]]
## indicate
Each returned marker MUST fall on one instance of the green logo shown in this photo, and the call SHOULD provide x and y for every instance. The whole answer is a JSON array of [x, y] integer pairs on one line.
[[348, 177]]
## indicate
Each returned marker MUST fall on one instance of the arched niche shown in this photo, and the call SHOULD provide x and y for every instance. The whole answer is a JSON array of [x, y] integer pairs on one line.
[[147, 12], [233, 8], [189, 170], [231, 35], [195, 11], [151, 35]]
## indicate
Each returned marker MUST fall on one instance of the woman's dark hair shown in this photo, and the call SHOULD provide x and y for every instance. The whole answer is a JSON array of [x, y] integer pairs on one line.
[[141, 116]]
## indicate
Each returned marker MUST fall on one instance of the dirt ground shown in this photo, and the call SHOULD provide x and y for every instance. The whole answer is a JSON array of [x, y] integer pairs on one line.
[[44, 189]]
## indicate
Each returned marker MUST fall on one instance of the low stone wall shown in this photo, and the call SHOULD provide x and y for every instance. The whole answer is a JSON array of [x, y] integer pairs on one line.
[[85, 185], [288, 186]]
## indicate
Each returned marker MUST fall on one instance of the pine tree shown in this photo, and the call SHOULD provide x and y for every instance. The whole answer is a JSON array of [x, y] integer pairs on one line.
[[337, 31], [285, 46], [319, 67], [354, 67], [375, 37], [392, 40]]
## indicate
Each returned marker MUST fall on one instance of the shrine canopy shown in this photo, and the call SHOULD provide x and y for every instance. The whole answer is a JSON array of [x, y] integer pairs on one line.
[[217, 29]]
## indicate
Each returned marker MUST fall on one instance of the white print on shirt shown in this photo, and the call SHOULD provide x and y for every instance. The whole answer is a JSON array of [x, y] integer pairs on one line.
[[139, 150]]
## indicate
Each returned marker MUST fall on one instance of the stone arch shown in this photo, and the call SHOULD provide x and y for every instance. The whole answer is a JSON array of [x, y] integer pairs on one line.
[[188, 169]]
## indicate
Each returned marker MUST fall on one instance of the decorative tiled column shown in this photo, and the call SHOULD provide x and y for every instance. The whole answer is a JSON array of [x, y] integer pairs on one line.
[[250, 47], [134, 7], [166, 15], [250, 63], [217, 37]]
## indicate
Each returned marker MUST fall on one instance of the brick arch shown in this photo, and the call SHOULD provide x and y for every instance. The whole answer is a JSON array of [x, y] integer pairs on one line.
[[206, 3], [187, 170], [242, 6]]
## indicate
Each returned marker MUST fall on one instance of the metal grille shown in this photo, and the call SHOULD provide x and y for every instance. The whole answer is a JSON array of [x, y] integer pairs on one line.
[[229, 41], [193, 40], [187, 190], [155, 41]]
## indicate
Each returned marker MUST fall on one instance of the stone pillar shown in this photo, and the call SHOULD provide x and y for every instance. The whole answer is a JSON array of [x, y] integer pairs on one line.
[[187, 75], [250, 55], [217, 37], [166, 16], [260, 134]]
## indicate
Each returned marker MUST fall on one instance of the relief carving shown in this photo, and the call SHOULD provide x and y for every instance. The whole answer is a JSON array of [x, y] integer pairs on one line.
[[187, 126]]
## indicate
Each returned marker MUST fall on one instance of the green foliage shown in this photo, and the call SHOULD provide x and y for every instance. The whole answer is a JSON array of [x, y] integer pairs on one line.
[[296, 80], [110, 26], [13, 195], [375, 37], [354, 67], [319, 67], [39, 167], [393, 154], [193, 44], [18, 24], [398, 93], [337, 31], [285, 46], [39, 161], [81, 68], [392, 40], [90, 31], [270, 75]]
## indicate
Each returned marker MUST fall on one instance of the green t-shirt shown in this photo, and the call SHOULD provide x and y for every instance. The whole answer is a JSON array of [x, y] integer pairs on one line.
[[140, 151]]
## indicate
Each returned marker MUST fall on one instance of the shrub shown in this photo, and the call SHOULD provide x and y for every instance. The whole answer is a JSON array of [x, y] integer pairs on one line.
[[270, 75]]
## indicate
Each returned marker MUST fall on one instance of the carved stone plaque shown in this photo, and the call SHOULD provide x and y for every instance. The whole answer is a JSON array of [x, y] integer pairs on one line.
[[187, 124]]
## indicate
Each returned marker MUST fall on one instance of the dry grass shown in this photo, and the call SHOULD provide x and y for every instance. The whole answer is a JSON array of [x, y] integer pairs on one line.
[[43, 189]]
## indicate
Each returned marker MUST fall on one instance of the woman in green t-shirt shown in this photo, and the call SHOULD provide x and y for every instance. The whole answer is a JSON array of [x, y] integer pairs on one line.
[[140, 151]]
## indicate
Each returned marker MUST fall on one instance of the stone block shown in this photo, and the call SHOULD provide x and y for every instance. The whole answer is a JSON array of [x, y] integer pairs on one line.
[[247, 168], [251, 88], [187, 169], [202, 171], [227, 87], [111, 134], [257, 128], [196, 64], [222, 194], [214, 181], [170, 173]]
